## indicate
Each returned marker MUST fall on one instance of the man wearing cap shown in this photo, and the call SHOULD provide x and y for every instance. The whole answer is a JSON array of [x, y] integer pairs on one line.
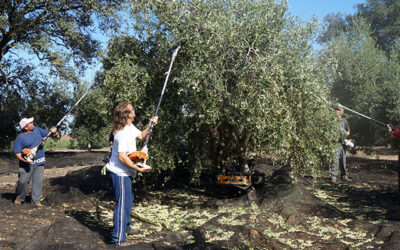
[[340, 164], [30, 169]]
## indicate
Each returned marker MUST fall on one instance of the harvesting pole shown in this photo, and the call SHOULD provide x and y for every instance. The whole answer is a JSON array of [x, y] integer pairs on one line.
[[142, 155], [30, 153], [162, 93], [362, 115]]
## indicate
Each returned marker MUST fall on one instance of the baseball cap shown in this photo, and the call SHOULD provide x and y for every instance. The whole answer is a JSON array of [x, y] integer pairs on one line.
[[25, 121]]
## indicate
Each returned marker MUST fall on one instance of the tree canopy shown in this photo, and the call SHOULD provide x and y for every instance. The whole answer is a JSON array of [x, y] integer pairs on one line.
[[382, 15], [244, 81], [43, 45]]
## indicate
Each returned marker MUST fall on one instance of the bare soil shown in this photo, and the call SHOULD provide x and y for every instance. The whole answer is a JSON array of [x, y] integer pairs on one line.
[[279, 214]]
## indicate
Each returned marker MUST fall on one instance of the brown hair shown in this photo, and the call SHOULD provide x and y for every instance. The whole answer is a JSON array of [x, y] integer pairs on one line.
[[121, 113]]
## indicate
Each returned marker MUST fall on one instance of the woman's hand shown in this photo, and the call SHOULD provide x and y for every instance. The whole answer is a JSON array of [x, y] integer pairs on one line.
[[154, 120], [143, 167]]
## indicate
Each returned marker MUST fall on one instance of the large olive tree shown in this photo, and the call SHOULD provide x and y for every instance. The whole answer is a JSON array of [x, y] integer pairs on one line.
[[244, 83]]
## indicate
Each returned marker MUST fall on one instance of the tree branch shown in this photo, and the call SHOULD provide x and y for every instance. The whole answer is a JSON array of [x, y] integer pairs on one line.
[[4, 76]]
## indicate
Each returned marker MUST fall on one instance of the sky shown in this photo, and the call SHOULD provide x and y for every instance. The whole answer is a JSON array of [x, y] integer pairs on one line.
[[305, 9]]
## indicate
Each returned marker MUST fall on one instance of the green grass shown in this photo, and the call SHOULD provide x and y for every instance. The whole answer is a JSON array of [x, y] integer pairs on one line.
[[65, 142]]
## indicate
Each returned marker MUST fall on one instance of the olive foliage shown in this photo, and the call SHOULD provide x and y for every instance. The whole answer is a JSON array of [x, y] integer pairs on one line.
[[91, 125], [364, 78], [382, 15], [244, 84], [44, 45]]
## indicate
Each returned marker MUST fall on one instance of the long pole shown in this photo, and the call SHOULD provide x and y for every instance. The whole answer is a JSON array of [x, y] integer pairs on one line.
[[33, 151], [355, 112], [162, 94], [65, 116]]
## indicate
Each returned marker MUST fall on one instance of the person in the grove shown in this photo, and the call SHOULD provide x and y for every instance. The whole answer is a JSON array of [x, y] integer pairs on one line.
[[395, 134], [340, 163], [30, 169], [122, 169]]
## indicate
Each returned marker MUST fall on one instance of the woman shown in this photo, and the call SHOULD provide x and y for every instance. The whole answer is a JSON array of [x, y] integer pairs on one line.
[[122, 169]]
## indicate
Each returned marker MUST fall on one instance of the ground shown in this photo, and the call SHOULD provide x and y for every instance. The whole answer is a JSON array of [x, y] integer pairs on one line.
[[317, 214]]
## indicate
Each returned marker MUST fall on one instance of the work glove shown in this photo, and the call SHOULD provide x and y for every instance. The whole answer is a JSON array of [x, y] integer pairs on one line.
[[53, 130], [389, 128]]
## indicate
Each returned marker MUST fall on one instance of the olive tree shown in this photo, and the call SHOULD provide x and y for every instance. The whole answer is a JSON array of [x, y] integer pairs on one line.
[[45, 45], [364, 78], [245, 83]]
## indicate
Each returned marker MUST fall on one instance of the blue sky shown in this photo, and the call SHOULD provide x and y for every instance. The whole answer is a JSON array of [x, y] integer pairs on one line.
[[305, 9]]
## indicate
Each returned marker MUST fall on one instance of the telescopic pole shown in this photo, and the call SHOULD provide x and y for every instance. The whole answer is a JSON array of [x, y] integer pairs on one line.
[[32, 151], [65, 116], [162, 94], [355, 112]]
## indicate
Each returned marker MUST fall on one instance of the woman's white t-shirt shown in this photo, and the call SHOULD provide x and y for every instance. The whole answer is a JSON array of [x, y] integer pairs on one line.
[[124, 141]]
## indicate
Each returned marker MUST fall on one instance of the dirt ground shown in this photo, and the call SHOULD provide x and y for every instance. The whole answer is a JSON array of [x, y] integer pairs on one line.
[[307, 214]]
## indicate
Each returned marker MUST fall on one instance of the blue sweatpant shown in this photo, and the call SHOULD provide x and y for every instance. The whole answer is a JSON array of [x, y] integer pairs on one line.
[[122, 186], [25, 175]]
